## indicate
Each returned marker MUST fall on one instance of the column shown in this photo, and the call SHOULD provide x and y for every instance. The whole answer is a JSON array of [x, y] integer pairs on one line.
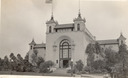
[[72, 52]]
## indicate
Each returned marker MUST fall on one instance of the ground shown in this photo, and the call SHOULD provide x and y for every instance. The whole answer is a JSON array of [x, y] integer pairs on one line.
[[58, 73]]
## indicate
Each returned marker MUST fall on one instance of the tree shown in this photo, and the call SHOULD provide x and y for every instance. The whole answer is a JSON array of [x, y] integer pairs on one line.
[[34, 58], [99, 65], [13, 58], [97, 59], [20, 63], [19, 58], [1, 64], [35, 52], [13, 61], [27, 57], [92, 50], [40, 60], [111, 58], [27, 66], [79, 65], [97, 47], [117, 63], [6, 63], [123, 53]]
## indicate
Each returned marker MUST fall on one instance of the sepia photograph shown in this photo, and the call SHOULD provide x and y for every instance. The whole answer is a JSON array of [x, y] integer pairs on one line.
[[64, 38]]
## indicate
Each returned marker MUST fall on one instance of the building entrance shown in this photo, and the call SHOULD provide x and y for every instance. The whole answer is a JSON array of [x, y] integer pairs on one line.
[[65, 63], [65, 53]]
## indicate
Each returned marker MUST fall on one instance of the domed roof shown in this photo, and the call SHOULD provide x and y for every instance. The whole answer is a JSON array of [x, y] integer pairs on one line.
[[79, 18], [51, 21], [33, 42], [121, 37]]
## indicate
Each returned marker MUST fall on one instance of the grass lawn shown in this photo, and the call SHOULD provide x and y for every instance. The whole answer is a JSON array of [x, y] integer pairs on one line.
[[31, 73], [49, 74], [19, 73]]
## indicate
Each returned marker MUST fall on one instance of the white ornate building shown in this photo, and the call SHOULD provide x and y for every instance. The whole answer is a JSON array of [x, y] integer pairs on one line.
[[66, 42]]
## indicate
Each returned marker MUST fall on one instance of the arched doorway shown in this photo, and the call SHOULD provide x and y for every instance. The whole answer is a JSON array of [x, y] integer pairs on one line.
[[64, 53]]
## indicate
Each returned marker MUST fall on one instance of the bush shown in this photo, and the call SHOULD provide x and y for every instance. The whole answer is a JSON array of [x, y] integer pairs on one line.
[[77, 68], [40, 60], [35, 69], [79, 65], [87, 69], [97, 71], [28, 69], [45, 66]]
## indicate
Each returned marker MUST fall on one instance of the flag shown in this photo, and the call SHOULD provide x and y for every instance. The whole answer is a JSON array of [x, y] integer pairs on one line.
[[48, 1]]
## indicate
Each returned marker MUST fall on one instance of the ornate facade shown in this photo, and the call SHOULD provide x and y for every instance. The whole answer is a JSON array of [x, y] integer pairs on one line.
[[68, 42]]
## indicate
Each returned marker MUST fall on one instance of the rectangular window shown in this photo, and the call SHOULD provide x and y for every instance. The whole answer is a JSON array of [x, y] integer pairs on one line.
[[65, 53], [56, 61], [31, 47]]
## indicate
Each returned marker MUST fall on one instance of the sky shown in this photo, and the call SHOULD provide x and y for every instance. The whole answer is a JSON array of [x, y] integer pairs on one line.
[[23, 20]]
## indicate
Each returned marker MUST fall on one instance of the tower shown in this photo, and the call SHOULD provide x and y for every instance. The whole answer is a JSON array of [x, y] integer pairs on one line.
[[32, 44], [51, 25], [79, 23], [121, 39]]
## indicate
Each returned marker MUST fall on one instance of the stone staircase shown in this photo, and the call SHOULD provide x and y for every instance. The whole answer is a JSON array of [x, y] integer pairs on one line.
[[60, 72]]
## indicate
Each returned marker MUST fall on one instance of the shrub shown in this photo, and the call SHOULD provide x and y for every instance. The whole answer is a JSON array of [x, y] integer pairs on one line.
[[45, 66], [79, 65], [87, 68], [28, 68], [77, 68], [40, 60], [96, 71]]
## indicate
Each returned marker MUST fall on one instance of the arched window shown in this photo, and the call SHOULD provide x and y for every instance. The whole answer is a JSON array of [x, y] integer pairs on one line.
[[78, 27], [50, 29], [65, 49]]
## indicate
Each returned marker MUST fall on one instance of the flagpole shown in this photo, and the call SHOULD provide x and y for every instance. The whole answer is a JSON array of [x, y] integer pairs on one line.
[[79, 6], [52, 8], [50, 2]]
